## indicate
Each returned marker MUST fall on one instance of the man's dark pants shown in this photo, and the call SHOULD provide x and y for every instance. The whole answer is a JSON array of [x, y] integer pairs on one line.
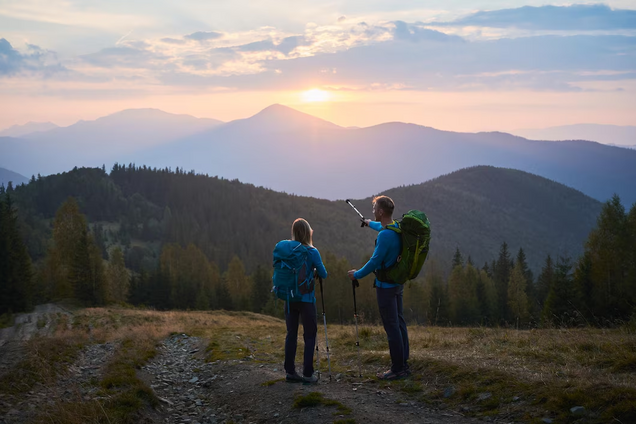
[[307, 313], [392, 313]]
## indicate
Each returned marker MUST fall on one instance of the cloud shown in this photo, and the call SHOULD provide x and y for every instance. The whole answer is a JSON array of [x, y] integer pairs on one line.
[[38, 62], [285, 46], [173, 41], [417, 33], [203, 36], [574, 17], [134, 55], [434, 62]]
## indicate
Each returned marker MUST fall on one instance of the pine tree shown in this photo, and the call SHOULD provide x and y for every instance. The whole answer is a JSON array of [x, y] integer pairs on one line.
[[462, 295], [585, 286], [486, 298], [262, 286], [502, 276], [438, 307], [458, 260], [544, 282], [118, 278], [16, 273], [559, 307], [530, 289], [517, 298], [69, 229], [238, 285], [608, 246]]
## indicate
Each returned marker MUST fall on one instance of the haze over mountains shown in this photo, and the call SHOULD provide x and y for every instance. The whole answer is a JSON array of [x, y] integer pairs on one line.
[[28, 128], [93, 143], [607, 134], [7, 176], [286, 150]]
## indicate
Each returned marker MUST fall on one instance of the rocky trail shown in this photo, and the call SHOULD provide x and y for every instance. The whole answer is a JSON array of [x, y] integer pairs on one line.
[[193, 391]]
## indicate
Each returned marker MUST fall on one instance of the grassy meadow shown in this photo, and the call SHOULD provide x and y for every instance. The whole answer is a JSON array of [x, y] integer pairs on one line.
[[478, 371]]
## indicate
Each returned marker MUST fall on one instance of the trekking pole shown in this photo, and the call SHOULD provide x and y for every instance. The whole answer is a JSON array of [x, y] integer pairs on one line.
[[354, 284], [354, 208], [324, 320]]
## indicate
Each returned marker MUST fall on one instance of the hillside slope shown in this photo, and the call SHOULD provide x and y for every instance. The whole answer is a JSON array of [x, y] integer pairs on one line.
[[475, 209]]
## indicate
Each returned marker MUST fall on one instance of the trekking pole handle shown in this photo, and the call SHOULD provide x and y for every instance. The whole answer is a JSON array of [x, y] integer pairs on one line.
[[358, 212]]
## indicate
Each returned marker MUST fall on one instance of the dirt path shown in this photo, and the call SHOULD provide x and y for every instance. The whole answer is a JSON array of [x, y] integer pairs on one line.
[[193, 391], [27, 325], [39, 322]]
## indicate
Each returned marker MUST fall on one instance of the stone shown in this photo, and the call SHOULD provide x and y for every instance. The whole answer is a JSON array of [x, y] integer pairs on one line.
[[578, 410], [450, 391], [484, 396], [546, 421], [193, 380]]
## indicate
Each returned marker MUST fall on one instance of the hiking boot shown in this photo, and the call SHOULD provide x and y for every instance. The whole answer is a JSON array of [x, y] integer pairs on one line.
[[310, 380], [390, 375], [294, 378]]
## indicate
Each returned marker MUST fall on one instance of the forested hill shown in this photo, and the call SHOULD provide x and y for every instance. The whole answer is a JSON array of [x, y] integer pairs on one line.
[[474, 209]]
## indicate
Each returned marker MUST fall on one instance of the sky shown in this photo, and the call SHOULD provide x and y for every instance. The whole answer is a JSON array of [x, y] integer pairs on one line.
[[457, 65]]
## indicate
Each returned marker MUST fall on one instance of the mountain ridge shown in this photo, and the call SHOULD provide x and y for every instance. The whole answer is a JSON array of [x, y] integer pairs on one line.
[[332, 162], [474, 209]]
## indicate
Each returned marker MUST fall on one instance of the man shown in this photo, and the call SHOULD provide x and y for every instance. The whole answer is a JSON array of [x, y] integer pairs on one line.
[[387, 249]]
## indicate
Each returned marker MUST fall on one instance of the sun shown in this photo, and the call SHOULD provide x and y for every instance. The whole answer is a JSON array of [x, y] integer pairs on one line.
[[315, 95]]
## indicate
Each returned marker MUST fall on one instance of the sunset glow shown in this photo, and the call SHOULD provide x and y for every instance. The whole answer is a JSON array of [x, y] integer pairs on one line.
[[315, 95]]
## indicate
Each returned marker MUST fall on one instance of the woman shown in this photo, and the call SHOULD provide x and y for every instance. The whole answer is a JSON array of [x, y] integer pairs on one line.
[[304, 306]]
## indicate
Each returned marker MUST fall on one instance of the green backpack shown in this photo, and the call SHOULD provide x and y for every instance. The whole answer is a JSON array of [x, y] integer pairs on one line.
[[415, 231]]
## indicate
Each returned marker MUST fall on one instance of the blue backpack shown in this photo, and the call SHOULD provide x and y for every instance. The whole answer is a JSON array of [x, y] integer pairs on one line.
[[293, 276]]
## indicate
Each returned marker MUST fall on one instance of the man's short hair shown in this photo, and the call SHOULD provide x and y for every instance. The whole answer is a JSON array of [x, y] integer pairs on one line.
[[385, 203]]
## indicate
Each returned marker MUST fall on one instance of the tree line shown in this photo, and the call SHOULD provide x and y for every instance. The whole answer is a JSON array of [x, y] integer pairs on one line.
[[599, 288]]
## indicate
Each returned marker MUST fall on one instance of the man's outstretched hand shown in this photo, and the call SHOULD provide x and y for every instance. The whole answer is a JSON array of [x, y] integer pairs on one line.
[[365, 222], [351, 272]]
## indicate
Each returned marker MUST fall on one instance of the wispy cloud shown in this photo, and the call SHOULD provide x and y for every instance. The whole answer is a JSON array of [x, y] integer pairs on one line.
[[203, 36], [563, 18]]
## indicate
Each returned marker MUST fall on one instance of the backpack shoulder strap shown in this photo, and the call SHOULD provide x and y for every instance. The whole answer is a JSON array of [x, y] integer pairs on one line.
[[394, 226]]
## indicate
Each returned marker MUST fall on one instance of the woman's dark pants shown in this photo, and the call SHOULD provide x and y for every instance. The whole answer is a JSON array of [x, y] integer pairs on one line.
[[307, 313]]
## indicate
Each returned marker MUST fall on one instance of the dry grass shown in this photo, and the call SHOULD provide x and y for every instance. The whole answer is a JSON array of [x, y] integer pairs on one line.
[[549, 370]]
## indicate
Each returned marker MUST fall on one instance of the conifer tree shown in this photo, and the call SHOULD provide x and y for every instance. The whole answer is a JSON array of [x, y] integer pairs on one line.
[[545, 281], [607, 245], [502, 276], [68, 258], [630, 277], [517, 298], [486, 298], [458, 260], [262, 286], [238, 285], [585, 286], [438, 307], [530, 286], [462, 295], [118, 277], [16, 273], [559, 306]]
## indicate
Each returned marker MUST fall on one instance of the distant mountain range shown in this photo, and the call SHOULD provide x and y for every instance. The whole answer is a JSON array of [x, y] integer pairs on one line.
[[7, 176], [474, 209], [93, 143], [28, 128], [286, 150], [613, 135]]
